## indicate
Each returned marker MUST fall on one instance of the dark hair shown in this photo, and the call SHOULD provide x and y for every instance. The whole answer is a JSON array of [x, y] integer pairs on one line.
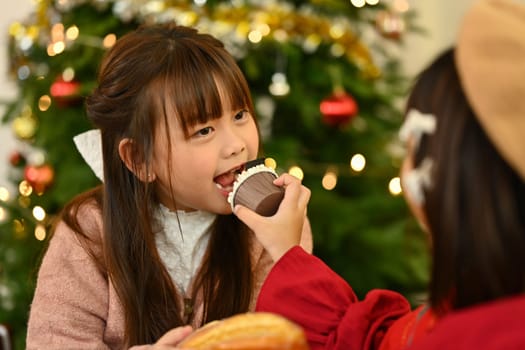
[[150, 74], [475, 208]]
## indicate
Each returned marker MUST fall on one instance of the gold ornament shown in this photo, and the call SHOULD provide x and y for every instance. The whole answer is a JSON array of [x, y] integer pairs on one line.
[[25, 125]]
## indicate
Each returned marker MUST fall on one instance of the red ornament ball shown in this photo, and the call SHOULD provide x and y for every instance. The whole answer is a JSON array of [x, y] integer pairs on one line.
[[40, 177], [338, 109], [17, 159], [65, 93]]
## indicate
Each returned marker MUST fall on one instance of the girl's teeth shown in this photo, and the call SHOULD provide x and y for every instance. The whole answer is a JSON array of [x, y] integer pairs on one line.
[[227, 188]]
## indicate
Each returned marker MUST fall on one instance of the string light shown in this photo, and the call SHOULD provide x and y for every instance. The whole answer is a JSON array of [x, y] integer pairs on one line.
[[263, 28], [337, 50], [72, 33], [39, 213], [311, 43], [270, 162], [40, 232], [25, 188], [296, 171], [4, 194], [109, 40], [337, 30], [358, 3], [394, 186], [255, 36], [329, 180], [68, 74], [279, 85], [357, 162], [23, 72], [44, 102], [57, 32], [56, 48]]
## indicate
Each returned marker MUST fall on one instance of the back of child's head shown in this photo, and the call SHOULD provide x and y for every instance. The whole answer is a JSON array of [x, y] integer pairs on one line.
[[475, 204]]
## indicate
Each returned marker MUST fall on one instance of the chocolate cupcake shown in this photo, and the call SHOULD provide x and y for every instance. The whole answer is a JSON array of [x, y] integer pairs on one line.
[[254, 189]]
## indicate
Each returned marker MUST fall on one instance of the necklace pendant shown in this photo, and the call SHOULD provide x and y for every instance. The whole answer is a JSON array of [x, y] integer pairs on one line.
[[188, 306]]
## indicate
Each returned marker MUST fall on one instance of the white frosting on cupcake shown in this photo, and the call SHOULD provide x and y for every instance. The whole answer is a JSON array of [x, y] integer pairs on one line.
[[245, 175]]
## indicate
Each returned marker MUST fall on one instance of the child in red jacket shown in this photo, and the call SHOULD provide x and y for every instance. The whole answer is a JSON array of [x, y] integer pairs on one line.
[[464, 179]]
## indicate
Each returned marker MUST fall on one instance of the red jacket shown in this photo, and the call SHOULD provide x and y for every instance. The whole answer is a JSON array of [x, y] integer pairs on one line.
[[303, 289], [409, 329], [498, 325]]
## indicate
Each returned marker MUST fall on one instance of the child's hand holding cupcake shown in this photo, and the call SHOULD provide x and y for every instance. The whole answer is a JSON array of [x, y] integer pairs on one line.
[[281, 231]]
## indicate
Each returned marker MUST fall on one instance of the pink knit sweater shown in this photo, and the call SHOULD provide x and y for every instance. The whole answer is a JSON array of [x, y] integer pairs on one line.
[[75, 307]]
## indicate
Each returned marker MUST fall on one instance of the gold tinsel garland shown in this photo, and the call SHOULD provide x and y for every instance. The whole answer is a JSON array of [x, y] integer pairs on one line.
[[276, 20]]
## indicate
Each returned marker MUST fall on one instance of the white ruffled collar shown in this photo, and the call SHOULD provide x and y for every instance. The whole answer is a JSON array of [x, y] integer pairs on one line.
[[183, 236], [182, 242]]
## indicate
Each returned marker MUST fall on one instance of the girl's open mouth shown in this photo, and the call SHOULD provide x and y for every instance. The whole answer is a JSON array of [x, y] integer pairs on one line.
[[225, 181]]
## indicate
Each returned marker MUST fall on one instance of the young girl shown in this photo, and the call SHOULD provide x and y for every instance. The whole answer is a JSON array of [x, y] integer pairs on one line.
[[464, 179], [156, 246]]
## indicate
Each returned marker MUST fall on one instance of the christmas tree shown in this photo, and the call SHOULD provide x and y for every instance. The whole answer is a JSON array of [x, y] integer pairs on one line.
[[326, 83]]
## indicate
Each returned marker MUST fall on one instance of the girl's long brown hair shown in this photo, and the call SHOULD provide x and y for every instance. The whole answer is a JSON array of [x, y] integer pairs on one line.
[[476, 206], [150, 75]]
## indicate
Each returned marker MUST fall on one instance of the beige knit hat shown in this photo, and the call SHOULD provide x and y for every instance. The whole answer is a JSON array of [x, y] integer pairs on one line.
[[490, 57]]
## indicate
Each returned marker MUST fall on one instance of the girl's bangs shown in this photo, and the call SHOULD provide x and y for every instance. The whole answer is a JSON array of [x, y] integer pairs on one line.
[[194, 93]]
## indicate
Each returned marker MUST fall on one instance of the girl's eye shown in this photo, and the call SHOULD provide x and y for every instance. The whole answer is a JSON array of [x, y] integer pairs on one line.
[[241, 114], [204, 131]]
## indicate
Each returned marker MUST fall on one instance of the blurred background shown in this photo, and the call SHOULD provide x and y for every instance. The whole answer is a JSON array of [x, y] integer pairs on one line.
[[328, 79]]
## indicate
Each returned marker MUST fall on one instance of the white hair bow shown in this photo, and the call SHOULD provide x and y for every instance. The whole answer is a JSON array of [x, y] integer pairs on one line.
[[418, 179], [417, 124], [89, 144]]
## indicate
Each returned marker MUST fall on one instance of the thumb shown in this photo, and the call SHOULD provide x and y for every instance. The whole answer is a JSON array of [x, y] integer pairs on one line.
[[174, 336], [249, 217]]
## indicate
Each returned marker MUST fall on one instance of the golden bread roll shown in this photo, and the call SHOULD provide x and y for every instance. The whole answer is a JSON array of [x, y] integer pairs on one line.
[[248, 331]]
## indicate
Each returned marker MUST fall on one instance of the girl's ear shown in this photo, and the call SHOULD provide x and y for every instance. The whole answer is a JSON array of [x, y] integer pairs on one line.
[[128, 154]]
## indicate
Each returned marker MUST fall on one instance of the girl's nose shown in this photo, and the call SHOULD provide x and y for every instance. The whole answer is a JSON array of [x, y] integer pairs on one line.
[[233, 143]]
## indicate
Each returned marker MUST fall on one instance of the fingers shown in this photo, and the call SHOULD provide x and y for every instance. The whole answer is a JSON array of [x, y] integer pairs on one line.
[[286, 179], [304, 197], [249, 217], [174, 336], [296, 196]]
